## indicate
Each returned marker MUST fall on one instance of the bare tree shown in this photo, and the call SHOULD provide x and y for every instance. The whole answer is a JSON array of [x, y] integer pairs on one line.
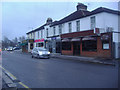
[[23, 38], [20, 39]]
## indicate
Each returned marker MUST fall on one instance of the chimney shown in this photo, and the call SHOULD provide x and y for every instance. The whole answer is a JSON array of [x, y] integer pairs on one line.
[[81, 6], [49, 21]]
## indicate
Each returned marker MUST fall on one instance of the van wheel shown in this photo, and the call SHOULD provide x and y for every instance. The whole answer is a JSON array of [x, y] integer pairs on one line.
[[32, 56]]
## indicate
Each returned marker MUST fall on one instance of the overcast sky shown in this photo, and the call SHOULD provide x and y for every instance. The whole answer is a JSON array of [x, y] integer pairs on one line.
[[18, 18]]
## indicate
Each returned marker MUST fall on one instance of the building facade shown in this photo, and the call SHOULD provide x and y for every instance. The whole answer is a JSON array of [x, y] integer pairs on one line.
[[82, 33]]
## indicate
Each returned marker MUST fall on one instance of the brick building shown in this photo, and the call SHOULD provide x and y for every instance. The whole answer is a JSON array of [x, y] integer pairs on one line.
[[82, 33]]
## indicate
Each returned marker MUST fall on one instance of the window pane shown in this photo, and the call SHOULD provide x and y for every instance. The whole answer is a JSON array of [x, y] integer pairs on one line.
[[78, 25], [66, 45], [53, 30], [60, 29], [92, 22], [70, 27], [89, 45], [105, 45]]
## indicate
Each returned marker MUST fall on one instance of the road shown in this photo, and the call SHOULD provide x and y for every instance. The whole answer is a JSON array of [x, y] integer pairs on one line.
[[58, 73]]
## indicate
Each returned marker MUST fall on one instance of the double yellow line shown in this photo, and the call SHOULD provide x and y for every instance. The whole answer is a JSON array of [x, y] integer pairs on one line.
[[25, 86]]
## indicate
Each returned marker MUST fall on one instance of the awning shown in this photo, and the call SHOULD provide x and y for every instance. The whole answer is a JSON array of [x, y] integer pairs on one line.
[[76, 39], [105, 37], [66, 40], [89, 38]]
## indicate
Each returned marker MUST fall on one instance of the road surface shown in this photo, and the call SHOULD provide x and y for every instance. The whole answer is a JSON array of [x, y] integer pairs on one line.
[[58, 73]]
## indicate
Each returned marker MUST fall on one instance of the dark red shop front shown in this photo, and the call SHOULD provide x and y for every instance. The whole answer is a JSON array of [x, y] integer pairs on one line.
[[87, 43]]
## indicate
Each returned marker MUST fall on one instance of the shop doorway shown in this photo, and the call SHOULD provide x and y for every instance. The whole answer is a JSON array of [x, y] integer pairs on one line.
[[76, 48], [58, 47]]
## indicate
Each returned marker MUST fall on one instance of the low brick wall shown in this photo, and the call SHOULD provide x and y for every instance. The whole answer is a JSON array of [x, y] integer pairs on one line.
[[67, 52]]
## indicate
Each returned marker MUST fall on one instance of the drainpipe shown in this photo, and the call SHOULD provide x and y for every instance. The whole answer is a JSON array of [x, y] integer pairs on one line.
[[112, 48]]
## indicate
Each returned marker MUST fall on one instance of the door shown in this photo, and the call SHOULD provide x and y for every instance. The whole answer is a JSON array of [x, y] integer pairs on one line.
[[76, 48]]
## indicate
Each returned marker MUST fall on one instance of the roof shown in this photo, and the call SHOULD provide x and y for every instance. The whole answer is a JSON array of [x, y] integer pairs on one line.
[[40, 28], [102, 9], [80, 14], [77, 15]]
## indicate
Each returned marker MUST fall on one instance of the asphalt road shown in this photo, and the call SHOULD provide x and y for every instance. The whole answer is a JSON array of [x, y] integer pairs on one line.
[[58, 73]]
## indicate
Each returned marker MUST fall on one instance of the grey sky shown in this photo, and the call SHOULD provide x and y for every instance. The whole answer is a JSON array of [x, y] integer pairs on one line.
[[20, 17]]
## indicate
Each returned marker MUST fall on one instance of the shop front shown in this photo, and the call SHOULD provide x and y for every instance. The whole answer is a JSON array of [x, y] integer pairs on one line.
[[24, 46], [54, 44], [27, 45], [39, 43], [30, 44], [87, 43]]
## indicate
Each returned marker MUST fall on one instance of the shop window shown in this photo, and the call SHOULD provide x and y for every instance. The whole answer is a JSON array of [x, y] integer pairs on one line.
[[40, 44], [66, 45], [89, 45], [105, 45], [31, 46]]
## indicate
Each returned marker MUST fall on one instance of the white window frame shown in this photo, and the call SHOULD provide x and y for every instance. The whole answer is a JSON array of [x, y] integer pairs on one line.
[[60, 29], [93, 22], [54, 29], [70, 27], [78, 26]]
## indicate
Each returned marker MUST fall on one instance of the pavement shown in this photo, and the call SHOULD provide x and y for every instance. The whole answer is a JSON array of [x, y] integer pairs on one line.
[[105, 61], [96, 60], [7, 82]]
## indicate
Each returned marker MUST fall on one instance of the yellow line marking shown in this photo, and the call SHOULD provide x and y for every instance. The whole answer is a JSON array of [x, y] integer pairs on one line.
[[16, 78], [8, 72], [24, 85]]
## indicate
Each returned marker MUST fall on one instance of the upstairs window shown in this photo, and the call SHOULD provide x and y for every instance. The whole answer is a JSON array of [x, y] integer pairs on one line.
[[31, 35], [41, 33], [93, 22], [53, 30], [47, 32], [78, 25], [38, 34], [60, 29], [34, 35], [70, 27]]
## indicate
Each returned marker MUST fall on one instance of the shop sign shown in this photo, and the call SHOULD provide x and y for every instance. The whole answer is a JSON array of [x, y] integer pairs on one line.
[[31, 40], [25, 41], [89, 38], [39, 40], [106, 46], [105, 37], [75, 39], [66, 40], [53, 38]]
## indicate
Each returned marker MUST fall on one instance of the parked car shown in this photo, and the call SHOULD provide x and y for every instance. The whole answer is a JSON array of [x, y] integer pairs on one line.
[[10, 49], [0, 51], [40, 52], [16, 48]]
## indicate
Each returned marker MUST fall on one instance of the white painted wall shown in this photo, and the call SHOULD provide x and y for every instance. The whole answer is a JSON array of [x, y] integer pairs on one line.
[[50, 31], [111, 20], [103, 20]]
